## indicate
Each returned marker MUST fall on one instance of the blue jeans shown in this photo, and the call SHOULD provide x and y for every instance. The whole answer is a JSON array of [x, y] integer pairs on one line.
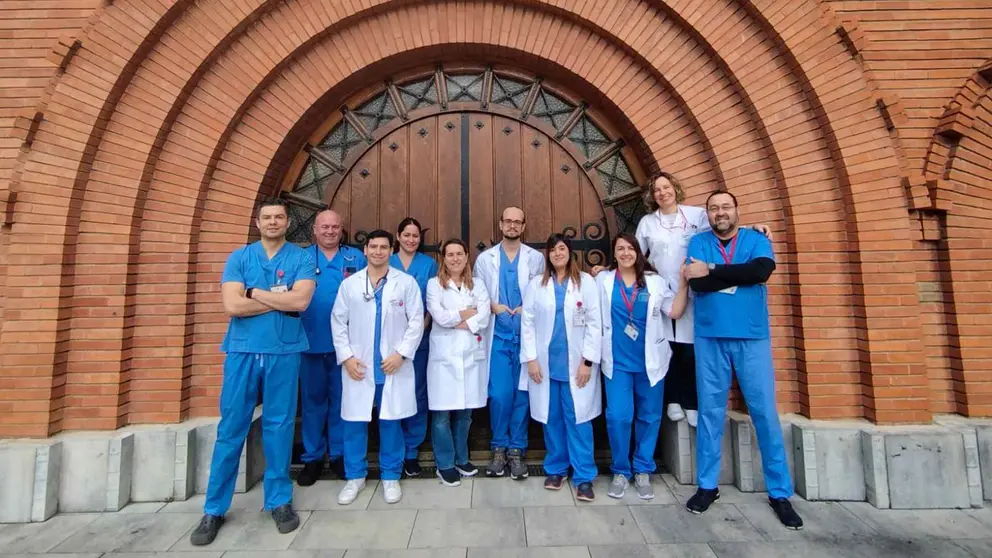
[[356, 446], [752, 360], [509, 407], [415, 427], [630, 400], [449, 435], [244, 374]]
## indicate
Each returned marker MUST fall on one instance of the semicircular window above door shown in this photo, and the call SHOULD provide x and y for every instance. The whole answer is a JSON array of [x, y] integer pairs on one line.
[[452, 147]]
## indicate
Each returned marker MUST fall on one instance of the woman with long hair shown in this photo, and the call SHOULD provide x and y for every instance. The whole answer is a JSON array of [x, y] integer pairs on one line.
[[408, 258], [560, 339], [635, 358], [457, 376]]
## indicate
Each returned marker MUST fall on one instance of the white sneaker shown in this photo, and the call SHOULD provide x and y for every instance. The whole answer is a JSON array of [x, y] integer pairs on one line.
[[391, 491], [692, 417], [675, 412], [350, 491]]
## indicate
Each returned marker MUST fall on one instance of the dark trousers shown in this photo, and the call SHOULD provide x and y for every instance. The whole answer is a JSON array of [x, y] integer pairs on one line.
[[680, 383]]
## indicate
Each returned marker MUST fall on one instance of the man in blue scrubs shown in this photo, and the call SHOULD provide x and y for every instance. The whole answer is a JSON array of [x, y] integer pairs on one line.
[[727, 268], [265, 287], [320, 374]]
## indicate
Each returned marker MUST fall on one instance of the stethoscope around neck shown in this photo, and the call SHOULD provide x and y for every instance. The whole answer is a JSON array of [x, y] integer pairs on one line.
[[316, 258]]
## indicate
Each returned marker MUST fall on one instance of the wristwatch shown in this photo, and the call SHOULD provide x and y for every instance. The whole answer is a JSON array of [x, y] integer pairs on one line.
[[248, 292], [587, 362], [711, 266]]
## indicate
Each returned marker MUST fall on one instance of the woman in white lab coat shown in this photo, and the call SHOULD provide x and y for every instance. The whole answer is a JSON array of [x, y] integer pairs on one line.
[[560, 338], [457, 376], [635, 302]]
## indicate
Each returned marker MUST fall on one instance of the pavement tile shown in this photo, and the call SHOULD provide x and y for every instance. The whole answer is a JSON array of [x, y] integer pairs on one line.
[[17, 538], [601, 485], [426, 494], [248, 530], [653, 551], [496, 527], [673, 524], [382, 530], [559, 526], [821, 520], [506, 493], [130, 532]]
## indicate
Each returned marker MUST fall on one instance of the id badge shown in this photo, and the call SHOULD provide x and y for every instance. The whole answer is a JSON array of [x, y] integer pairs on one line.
[[279, 289], [656, 312], [729, 290], [631, 332], [479, 353], [580, 317]]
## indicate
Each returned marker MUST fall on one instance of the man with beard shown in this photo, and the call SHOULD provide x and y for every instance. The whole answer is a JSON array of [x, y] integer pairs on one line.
[[505, 270], [727, 268], [320, 374], [264, 288]]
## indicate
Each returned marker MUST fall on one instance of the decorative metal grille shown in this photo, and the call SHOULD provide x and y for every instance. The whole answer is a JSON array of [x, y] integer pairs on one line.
[[465, 87], [552, 109], [376, 112], [418, 94], [339, 142], [301, 223], [628, 214], [616, 176], [509, 92], [313, 180], [590, 139]]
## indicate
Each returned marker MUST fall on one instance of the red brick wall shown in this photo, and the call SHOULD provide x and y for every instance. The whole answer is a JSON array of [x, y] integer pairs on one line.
[[170, 117]]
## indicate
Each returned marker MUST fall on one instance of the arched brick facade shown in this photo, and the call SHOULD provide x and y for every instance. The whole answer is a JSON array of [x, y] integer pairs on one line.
[[136, 168]]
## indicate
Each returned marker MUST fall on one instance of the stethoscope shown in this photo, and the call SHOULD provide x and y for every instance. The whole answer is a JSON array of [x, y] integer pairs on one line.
[[368, 283], [316, 259]]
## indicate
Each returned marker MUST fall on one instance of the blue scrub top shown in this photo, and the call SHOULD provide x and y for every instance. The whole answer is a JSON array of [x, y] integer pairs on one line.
[[558, 348], [744, 314], [423, 268], [317, 317], [628, 355], [380, 376], [273, 332], [508, 327]]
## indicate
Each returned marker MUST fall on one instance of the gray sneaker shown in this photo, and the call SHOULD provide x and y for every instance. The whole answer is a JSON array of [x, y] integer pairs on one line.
[[618, 487], [642, 483], [518, 471], [497, 467]]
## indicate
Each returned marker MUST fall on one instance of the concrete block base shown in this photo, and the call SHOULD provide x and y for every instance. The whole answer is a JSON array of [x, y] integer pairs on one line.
[[29, 480], [748, 475], [677, 442]]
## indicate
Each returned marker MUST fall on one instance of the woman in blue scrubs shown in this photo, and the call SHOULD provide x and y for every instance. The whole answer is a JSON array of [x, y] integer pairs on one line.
[[409, 259], [636, 354]]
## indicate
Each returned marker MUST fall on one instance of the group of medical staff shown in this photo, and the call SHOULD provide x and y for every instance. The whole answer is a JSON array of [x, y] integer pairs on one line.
[[525, 332]]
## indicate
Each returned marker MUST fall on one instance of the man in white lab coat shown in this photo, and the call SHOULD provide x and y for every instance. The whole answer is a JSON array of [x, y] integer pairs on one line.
[[377, 323], [505, 270]]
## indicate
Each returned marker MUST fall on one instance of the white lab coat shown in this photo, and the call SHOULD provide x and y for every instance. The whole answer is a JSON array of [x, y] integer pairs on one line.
[[530, 264], [657, 352], [584, 342], [457, 376], [666, 249], [353, 330]]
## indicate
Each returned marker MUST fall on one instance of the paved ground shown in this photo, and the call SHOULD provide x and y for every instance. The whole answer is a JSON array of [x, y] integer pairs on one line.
[[502, 518]]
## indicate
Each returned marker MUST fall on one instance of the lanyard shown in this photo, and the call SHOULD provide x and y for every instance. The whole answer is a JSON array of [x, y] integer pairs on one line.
[[628, 302], [728, 258], [661, 220]]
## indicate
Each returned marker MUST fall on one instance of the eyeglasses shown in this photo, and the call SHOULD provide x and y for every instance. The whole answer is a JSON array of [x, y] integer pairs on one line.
[[513, 222]]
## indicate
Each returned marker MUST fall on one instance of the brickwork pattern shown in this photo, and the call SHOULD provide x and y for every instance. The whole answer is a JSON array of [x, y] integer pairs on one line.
[[132, 172]]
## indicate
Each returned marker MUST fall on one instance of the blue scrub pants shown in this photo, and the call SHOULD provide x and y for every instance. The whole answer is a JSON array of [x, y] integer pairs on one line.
[[630, 400], [449, 436], [509, 407], [356, 446], [567, 443], [415, 427], [320, 383], [244, 375], [752, 360]]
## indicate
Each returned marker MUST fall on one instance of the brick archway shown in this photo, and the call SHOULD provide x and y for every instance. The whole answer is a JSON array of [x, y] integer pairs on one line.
[[154, 144]]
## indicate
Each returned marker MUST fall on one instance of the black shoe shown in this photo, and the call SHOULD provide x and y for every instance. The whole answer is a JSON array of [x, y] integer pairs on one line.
[[285, 518], [449, 477], [467, 469], [411, 468], [788, 516], [337, 466], [206, 531], [584, 492], [311, 473], [554, 482], [702, 500], [515, 458]]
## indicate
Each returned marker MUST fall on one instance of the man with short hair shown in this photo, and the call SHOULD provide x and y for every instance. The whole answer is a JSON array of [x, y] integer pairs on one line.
[[320, 373], [264, 288], [506, 269], [377, 323], [727, 267]]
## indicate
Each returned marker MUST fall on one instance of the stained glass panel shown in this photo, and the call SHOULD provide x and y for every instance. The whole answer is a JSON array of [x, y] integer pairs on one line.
[[616, 176], [376, 112], [312, 180], [301, 224], [418, 94], [552, 109], [465, 87], [590, 139], [628, 215], [509, 92], [339, 142]]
